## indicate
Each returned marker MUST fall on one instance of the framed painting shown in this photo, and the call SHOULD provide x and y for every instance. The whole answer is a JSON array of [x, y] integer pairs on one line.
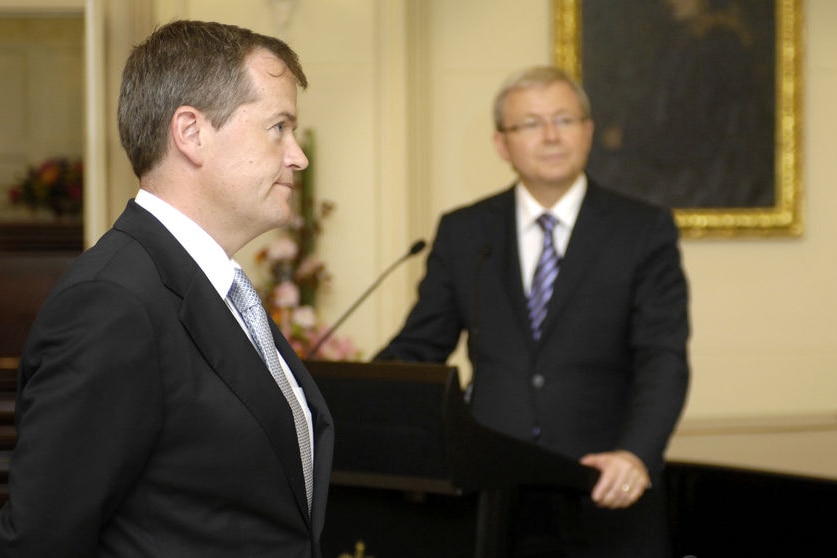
[[697, 106]]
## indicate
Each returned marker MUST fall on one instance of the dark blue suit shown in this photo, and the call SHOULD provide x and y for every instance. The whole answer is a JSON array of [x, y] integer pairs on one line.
[[610, 371]]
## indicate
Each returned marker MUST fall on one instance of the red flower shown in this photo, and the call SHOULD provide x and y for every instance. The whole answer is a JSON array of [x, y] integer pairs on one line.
[[49, 172], [57, 184]]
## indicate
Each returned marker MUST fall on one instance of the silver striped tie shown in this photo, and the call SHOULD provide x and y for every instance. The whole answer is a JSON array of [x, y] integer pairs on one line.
[[246, 300]]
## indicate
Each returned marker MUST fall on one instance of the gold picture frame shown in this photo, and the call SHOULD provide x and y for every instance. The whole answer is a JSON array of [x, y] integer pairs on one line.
[[782, 217]]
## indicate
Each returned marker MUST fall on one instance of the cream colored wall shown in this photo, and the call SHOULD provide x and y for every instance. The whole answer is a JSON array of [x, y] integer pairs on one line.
[[765, 340], [400, 102], [38, 57], [34, 6]]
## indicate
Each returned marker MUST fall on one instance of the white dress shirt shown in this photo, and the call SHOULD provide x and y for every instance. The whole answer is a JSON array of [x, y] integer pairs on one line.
[[530, 234]]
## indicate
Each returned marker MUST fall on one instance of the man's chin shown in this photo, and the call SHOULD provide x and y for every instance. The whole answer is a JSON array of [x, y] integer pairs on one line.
[[283, 218]]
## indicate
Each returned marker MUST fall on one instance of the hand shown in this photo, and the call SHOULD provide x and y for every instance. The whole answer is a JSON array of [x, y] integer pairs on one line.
[[623, 480]]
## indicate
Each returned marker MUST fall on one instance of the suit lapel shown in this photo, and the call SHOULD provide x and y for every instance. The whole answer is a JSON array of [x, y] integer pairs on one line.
[[506, 237], [240, 367], [587, 236], [321, 422], [221, 341]]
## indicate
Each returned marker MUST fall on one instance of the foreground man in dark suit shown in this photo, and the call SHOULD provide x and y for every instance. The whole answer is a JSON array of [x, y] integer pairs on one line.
[[603, 376], [149, 425]]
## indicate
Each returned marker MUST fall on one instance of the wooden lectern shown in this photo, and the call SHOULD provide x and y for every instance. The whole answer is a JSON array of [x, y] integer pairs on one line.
[[410, 463]]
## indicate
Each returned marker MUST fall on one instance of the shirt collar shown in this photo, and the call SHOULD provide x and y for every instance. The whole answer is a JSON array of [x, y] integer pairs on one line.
[[565, 210], [206, 252]]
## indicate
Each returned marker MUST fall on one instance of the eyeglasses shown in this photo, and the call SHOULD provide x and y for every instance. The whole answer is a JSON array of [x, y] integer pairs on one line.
[[536, 125]]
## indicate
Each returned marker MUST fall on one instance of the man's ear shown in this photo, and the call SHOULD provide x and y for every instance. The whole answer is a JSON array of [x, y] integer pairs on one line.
[[500, 145], [188, 133]]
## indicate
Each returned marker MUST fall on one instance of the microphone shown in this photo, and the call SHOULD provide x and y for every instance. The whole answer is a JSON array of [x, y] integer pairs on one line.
[[417, 247]]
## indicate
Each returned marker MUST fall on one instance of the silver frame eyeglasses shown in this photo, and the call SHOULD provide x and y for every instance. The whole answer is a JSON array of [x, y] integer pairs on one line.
[[537, 125]]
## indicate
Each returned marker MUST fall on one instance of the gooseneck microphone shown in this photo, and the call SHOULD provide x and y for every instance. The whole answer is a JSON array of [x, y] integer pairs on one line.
[[417, 247]]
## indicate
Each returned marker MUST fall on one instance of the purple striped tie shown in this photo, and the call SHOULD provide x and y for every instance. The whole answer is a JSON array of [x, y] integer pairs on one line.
[[544, 278]]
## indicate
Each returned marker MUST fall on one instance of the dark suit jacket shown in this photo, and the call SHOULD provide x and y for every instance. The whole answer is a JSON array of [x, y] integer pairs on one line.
[[610, 371], [148, 423]]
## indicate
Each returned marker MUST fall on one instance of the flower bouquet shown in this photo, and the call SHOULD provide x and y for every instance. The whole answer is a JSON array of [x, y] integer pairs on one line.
[[56, 184]]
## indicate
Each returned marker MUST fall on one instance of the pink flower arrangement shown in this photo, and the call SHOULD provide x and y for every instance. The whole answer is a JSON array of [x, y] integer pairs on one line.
[[296, 275], [57, 184]]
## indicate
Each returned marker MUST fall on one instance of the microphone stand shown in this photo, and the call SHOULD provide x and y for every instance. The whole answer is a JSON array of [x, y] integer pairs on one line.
[[417, 247]]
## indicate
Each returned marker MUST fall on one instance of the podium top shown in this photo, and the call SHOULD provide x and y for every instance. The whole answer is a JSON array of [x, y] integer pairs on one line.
[[406, 426]]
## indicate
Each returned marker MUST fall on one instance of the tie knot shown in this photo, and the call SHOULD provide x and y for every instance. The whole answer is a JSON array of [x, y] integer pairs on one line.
[[242, 293], [547, 222]]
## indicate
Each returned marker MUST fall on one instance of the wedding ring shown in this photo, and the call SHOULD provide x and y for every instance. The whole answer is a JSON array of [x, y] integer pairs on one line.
[[626, 488]]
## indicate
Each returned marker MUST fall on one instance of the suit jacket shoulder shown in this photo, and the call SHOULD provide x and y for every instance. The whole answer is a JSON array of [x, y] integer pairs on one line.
[[161, 413]]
